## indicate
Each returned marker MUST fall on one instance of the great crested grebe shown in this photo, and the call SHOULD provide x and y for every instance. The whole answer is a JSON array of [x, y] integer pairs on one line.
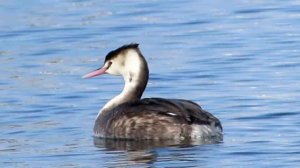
[[127, 116]]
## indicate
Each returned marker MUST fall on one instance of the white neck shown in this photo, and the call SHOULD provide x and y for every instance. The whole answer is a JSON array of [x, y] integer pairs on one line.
[[135, 74]]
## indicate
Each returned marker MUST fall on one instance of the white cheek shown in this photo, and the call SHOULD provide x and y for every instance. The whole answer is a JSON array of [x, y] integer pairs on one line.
[[133, 62], [114, 69]]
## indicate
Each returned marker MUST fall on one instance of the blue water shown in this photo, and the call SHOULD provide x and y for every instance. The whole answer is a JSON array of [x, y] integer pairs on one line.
[[240, 60]]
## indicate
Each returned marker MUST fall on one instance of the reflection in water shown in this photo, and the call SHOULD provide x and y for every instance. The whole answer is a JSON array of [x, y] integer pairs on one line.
[[143, 156], [132, 145], [143, 151]]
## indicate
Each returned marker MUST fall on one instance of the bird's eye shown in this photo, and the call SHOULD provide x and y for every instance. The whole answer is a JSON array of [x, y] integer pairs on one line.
[[109, 64]]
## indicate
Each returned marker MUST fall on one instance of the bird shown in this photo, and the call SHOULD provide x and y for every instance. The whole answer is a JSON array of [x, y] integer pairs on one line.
[[127, 116]]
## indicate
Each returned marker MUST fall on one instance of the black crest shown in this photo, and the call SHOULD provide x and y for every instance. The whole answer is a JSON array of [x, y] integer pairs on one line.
[[115, 52]]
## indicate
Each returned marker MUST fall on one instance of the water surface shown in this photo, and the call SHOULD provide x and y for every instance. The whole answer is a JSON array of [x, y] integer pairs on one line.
[[239, 60]]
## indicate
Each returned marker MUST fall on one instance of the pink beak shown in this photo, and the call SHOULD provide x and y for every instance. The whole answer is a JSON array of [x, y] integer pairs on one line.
[[97, 72]]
